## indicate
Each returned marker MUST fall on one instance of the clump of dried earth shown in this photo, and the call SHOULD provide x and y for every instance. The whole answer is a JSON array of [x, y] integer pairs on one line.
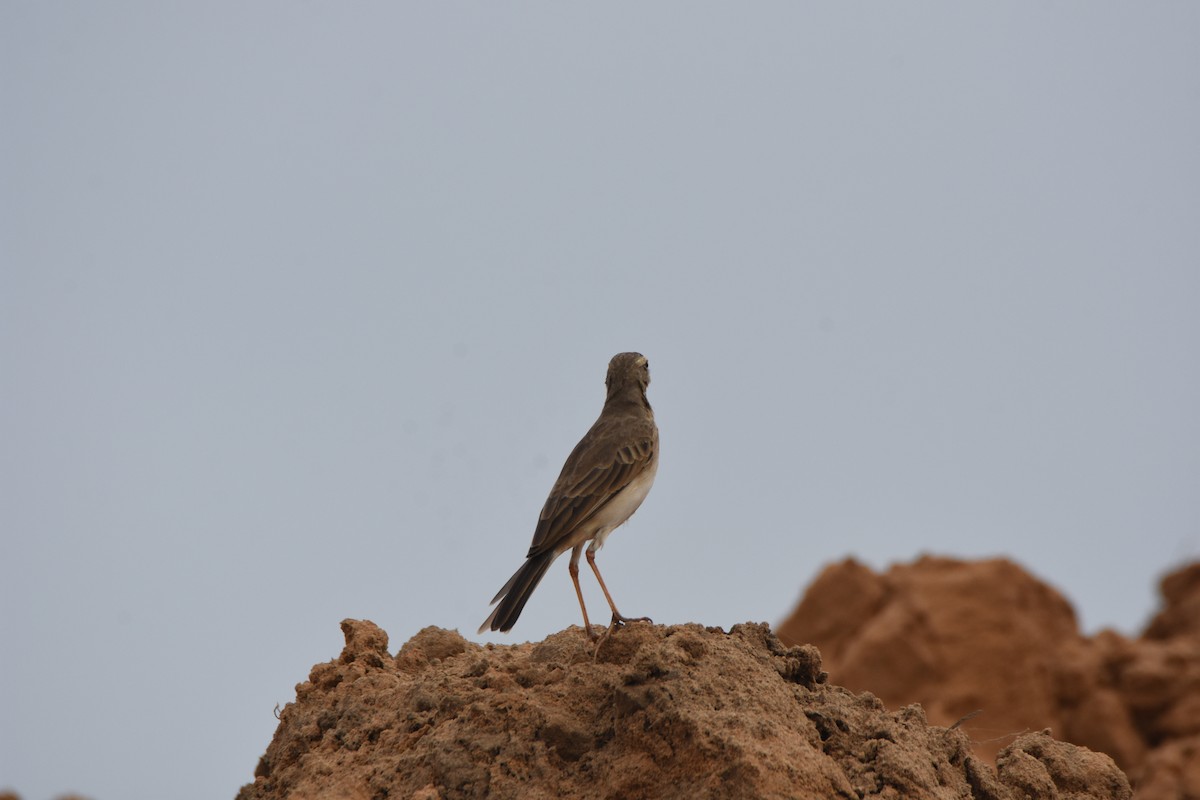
[[658, 712], [965, 636]]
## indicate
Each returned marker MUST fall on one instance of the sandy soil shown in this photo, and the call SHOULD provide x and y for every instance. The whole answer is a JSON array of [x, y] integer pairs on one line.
[[661, 712]]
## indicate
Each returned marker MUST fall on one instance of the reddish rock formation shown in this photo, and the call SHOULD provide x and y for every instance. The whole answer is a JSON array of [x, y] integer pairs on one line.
[[1181, 614], [659, 712], [959, 636]]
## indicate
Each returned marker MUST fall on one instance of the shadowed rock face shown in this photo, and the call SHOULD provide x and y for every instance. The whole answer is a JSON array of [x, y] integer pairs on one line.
[[960, 636], [660, 712]]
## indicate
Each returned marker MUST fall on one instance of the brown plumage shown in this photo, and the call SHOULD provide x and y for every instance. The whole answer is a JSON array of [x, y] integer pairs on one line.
[[605, 479]]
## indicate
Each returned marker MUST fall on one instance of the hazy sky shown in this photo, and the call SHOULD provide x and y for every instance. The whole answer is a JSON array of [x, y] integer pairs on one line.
[[303, 305]]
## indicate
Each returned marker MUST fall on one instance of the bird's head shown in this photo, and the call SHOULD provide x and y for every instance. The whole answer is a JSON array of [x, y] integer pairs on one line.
[[626, 370]]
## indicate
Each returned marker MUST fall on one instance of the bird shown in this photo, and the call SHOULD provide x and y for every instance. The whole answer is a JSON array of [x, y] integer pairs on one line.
[[604, 480]]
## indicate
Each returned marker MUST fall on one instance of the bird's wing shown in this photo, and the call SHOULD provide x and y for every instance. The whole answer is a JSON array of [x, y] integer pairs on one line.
[[598, 468]]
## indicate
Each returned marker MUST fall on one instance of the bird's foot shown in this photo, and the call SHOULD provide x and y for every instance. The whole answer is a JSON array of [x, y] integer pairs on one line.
[[617, 621], [600, 640]]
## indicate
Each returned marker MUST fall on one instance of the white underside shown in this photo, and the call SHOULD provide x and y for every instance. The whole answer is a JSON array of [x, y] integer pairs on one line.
[[620, 508]]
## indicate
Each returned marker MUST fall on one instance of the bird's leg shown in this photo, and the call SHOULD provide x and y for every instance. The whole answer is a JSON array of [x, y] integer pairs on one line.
[[573, 568], [617, 617]]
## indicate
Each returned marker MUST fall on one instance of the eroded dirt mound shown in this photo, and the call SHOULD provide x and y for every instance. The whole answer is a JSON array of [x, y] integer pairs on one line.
[[960, 636], [662, 712], [1180, 615]]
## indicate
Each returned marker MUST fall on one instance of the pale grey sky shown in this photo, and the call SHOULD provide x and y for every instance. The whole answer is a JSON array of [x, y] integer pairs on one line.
[[302, 307]]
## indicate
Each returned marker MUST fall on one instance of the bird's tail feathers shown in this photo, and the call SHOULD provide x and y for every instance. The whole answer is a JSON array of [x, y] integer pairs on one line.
[[515, 594]]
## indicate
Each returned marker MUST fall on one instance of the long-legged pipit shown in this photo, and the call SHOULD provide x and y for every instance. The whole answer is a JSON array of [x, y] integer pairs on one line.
[[605, 479]]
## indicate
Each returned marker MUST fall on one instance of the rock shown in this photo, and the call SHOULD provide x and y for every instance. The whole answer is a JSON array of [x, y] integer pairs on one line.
[[1171, 770], [1037, 765], [1181, 615], [659, 712], [956, 636]]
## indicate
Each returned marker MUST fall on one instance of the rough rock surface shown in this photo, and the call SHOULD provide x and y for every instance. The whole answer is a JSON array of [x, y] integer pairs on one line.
[[958, 636], [659, 712]]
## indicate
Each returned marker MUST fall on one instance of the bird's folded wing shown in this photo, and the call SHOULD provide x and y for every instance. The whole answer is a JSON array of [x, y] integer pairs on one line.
[[581, 492]]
